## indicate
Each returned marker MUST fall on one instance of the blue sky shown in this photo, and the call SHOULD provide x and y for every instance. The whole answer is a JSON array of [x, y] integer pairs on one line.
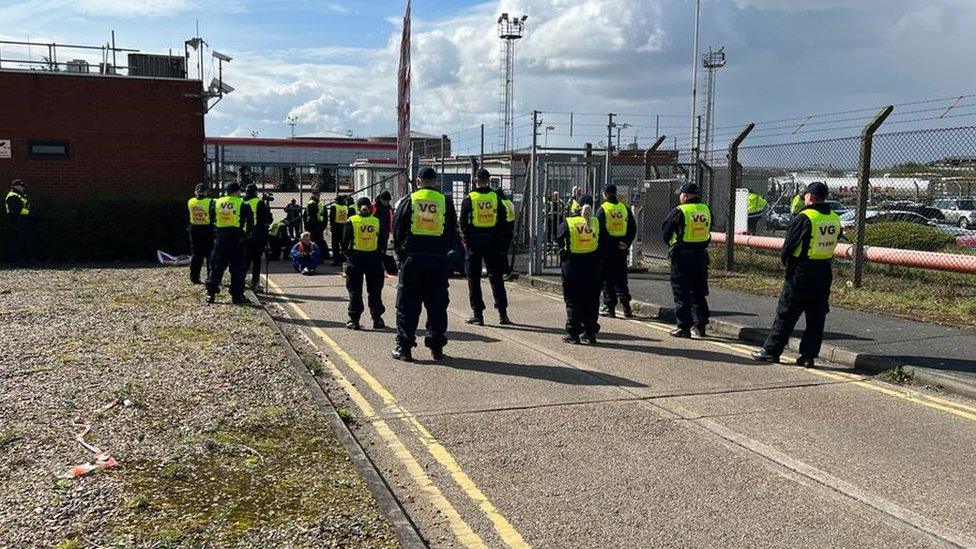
[[332, 63]]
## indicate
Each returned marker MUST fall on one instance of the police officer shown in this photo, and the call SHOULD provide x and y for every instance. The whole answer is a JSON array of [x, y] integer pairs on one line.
[[364, 242], [278, 240], [573, 206], [424, 231], [579, 238], [314, 219], [233, 220], [797, 204], [687, 230], [293, 219], [483, 225], [807, 253], [338, 214], [617, 230], [508, 232], [201, 231], [18, 208], [257, 238], [755, 208]]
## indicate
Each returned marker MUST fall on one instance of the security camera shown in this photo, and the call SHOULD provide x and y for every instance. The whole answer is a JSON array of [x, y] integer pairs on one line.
[[222, 57], [220, 86]]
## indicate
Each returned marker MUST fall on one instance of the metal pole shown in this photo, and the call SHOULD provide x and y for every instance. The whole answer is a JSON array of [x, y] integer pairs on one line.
[[535, 263], [648, 166], [113, 50], [443, 137], [694, 73], [657, 125], [867, 140], [481, 157], [606, 175], [734, 176]]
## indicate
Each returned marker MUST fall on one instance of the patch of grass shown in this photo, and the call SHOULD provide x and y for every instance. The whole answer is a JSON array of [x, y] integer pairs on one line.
[[314, 363], [345, 414], [899, 375], [199, 337], [9, 437], [136, 503], [70, 544]]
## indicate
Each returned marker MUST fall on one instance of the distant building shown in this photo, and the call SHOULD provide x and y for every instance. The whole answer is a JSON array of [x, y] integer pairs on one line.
[[424, 144]]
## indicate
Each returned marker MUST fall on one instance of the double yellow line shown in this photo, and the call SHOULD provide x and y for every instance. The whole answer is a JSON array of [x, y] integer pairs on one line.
[[468, 537]]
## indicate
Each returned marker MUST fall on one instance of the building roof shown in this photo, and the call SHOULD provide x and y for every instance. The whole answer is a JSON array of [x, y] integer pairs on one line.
[[300, 143], [325, 135], [413, 135]]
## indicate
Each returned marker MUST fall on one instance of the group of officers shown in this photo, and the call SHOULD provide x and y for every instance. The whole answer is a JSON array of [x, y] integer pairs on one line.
[[594, 243]]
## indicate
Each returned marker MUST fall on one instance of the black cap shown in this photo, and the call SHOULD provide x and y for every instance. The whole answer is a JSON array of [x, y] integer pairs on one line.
[[232, 187], [363, 201], [817, 188], [610, 189], [18, 183], [428, 174], [585, 200], [482, 175], [201, 187], [690, 188], [251, 188], [340, 199], [385, 195]]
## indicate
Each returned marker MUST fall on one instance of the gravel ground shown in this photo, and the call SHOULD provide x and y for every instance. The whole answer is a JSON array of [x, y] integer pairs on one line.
[[221, 446]]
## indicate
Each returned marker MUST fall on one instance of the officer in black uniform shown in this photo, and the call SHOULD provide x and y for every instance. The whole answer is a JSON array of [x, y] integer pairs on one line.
[[424, 231], [201, 231], [687, 230], [617, 231], [807, 255], [314, 220], [233, 220], [339, 213], [364, 241], [578, 238], [508, 231], [18, 209], [483, 225], [257, 238]]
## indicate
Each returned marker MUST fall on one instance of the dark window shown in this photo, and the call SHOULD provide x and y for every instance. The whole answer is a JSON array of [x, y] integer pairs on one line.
[[47, 149]]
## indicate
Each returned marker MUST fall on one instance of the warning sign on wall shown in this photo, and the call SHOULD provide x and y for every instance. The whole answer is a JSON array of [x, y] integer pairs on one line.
[[4, 148]]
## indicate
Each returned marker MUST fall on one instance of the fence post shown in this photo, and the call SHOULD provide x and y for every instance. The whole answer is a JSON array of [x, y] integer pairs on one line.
[[648, 166], [535, 259], [610, 126], [735, 175], [864, 183]]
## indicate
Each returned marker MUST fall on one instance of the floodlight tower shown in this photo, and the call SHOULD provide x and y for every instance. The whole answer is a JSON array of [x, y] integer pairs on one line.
[[712, 61], [510, 30]]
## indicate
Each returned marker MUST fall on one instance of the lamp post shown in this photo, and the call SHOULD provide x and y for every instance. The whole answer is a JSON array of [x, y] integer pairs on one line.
[[545, 143]]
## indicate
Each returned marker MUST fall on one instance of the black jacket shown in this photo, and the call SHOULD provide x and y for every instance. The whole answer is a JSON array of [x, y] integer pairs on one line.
[[610, 244], [14, 207], [674, 224], [483, 238], [311, 215], [405, 243], [263, 217]]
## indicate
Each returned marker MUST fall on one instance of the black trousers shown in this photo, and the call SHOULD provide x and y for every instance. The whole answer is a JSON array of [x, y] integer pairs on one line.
[[18, 239], [615, 287], [423, 282], [368, 267], [495, 264], [581, 293], [318, 237], [336, 231], [294, 229], [228, 252], [806, 291], [278, 245], [253, 251], [689, 285], [201, 246]]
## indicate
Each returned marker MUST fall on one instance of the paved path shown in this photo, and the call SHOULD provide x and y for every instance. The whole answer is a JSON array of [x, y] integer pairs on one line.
[[519, 439]]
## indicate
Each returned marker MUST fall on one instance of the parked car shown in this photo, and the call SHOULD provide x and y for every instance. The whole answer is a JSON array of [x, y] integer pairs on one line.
[[964, 237], [838, 207], [778, 217], [930, 212], [958, 211]]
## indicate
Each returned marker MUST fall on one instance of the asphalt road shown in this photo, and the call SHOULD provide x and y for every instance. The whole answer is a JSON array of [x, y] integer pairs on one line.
[[518, 439]]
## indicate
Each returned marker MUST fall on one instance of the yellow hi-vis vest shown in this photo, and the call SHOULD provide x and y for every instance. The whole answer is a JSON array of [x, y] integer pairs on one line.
[[319, 210], [796, 204], [429, 212], [824, 234], [341, 214], [484, 209], [366, 231], [574, 206], [509, 210], [25, 208], [698, 220], [755, 203], [199, 210], [229, 211], [615, 216], [583, 237]]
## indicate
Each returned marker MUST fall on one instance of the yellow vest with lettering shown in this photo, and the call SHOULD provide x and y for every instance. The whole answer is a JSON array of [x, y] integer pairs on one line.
[[615, 217], [698, 220], [824, 234], [199, 210], [25, 208], [366, 231], [429, 212], [341, 214], [509, 210], [484, 209], [584, 237], [229, 211]]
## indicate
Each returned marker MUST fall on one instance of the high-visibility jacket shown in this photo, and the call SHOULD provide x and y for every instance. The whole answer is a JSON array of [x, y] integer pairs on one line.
[[278, 229], [199, 210], [574, 206], [484, 209], [796, 204], [25, 208], [319, 210], [824, 234], [509, 210], [229, 211], [584, 237], [365, 231], [755, 203], [615, 218], [697, 221], [429, 212], [340, 213]]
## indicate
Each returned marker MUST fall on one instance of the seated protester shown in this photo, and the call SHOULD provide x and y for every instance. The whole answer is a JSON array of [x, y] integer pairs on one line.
[[278, 240], [306, 255]]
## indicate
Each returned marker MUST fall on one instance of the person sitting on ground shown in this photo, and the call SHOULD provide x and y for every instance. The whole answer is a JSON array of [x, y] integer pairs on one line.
[[305, 255], [278, 240]]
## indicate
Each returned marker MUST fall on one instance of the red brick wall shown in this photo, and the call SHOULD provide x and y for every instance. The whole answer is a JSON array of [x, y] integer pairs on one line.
[[127, 136]]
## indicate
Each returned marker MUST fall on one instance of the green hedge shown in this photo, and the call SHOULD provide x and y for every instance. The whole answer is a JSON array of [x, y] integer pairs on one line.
[[908, 236], [106, 229]]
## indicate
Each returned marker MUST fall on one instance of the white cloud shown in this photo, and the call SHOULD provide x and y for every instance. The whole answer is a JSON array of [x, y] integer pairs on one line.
[[130, 8]]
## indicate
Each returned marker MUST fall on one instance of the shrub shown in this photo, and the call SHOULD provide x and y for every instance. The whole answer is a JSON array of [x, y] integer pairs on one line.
[[907, 236]]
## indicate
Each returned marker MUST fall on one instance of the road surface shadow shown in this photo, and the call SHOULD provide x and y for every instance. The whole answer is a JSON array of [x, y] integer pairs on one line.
[[557, 374], [300, 298], [691, 354], [560, 332]]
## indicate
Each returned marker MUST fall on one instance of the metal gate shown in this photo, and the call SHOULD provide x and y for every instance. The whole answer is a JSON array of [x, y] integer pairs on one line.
[[556, 186]]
